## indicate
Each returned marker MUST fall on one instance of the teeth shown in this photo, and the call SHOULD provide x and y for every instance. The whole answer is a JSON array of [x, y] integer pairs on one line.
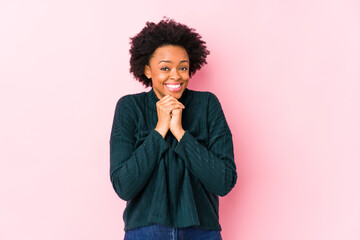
[[172, 86]]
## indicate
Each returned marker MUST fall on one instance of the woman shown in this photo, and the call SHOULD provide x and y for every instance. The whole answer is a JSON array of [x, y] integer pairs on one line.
[[171, 151]]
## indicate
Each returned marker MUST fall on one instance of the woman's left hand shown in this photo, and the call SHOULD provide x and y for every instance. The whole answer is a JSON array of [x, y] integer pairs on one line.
[[175, 124]]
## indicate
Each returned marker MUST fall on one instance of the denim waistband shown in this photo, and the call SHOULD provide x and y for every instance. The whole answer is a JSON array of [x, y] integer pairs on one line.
[[159, 232]]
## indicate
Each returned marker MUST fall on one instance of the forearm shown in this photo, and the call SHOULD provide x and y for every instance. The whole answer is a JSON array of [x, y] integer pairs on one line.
[[214, 168], [130, 171]]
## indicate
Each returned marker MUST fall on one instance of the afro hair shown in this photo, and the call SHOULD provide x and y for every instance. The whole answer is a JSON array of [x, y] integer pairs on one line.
[[166, 32]]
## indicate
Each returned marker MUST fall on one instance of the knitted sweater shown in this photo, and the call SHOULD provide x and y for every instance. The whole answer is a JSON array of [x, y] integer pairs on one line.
[[164, 181]]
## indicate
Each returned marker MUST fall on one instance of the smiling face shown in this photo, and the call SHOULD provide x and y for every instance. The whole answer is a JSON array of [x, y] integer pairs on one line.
[[168, 70]]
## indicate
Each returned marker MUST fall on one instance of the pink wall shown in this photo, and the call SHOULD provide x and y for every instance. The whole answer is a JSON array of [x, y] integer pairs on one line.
[[286, 72]]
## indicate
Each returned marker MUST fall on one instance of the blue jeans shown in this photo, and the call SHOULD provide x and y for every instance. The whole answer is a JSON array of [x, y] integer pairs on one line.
[[159, 232]]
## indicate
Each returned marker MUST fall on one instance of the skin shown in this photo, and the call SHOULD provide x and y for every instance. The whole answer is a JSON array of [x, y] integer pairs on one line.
[[169, 64]]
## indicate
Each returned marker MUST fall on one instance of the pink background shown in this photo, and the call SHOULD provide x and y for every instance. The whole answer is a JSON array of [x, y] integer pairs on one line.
[[286, 72]]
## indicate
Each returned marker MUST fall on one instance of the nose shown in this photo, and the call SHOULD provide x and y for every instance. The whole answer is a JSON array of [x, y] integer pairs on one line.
[[174, 74]]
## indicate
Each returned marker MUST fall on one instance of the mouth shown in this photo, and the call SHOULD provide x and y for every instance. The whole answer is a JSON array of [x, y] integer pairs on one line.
[[173, 87]]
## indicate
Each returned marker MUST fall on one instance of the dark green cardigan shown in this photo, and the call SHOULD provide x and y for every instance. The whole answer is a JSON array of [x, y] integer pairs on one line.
[[164, 181]]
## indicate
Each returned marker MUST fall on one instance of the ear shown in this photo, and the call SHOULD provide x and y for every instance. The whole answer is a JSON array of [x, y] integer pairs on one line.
[[147, 71]]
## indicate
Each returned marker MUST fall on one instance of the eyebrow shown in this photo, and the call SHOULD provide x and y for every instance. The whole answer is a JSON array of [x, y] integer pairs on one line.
[[168, 61]]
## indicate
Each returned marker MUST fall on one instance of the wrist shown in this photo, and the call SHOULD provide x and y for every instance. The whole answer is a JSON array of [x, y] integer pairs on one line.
[[161, 131], [179, 134]]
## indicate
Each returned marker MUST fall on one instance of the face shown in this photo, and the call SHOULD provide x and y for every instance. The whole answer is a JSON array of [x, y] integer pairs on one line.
[[168, 70]]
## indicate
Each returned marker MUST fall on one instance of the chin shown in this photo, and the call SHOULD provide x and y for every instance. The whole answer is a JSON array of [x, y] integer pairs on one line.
[[177, 95]]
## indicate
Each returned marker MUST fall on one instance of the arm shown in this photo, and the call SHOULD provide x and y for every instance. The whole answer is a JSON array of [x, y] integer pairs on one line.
[[213, 165], [130, 168]]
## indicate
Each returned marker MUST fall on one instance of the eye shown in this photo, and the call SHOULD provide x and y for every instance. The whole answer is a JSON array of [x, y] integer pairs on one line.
[[164, 69], [183, 69]]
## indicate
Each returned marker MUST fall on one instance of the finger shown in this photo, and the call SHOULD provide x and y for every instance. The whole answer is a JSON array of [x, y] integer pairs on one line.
[[165, 100], [176, 111], [172, 106], [166, 97], [168, 101]]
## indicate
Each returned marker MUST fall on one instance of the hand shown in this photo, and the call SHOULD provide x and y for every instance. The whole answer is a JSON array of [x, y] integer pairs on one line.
[[175, 124], [165, 109]]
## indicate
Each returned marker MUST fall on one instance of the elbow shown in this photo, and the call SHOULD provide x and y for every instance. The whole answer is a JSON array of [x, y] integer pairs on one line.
[[229, 183], [121, 190], [123, 196]]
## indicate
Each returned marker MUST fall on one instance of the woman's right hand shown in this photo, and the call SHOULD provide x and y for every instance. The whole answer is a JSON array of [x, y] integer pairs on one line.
[[164, 107]]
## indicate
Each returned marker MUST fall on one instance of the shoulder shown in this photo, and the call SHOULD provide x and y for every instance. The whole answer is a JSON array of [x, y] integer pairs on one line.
[[201, 93], [130, 100], [206, 97], [129, 105], [209, 102]]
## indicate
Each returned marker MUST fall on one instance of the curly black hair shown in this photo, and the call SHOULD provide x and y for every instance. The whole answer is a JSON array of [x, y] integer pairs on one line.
[[166, 32]]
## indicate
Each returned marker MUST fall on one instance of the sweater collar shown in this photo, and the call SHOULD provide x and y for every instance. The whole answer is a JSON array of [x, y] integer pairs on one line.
[[152, 98]]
